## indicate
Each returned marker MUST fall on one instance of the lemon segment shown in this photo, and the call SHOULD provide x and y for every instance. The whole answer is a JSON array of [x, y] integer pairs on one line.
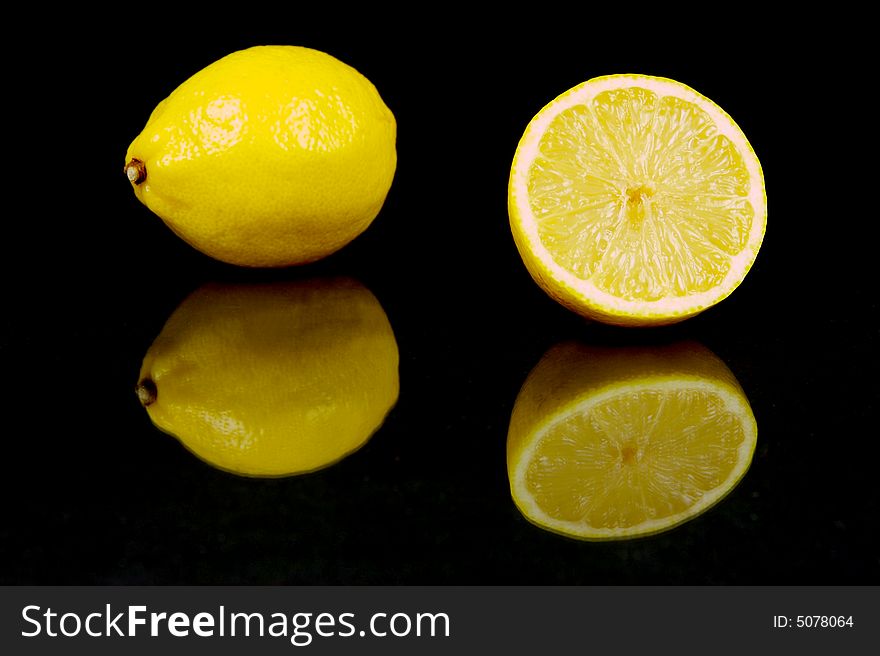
[[617, 443], [272, 379], [635, 200]]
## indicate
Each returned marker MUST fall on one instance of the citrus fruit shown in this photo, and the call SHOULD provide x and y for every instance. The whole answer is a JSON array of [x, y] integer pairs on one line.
[[611, 443], [272, 379], [634, 200], [270, 156]]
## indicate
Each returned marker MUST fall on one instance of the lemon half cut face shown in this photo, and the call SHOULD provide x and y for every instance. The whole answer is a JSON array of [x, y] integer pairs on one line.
[[273, 379], [635, 200], [617, 443]]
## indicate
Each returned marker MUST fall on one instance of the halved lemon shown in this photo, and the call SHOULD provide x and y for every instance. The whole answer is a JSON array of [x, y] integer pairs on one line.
[[634, 200], [616, 443]]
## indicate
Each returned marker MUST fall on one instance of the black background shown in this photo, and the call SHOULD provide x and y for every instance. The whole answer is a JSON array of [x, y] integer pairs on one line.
[[94, 494]]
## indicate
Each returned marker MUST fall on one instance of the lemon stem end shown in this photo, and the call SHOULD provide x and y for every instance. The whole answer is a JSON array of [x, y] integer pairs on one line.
[[146, 392], [136, 171]]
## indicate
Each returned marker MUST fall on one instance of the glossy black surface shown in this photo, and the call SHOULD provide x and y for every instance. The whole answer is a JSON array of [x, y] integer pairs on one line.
[[93, 493]]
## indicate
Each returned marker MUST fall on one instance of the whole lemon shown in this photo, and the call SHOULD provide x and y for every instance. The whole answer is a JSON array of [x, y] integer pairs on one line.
[[272, 379], [270, 156]]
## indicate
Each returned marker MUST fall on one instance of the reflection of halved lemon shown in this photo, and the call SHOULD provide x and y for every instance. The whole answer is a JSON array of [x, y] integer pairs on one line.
[[271, 380], [615, 443], [635, 200]]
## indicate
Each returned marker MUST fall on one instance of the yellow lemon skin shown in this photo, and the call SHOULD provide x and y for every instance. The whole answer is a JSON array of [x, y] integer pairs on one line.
[[271, 156], [615, 443], [272, 379]]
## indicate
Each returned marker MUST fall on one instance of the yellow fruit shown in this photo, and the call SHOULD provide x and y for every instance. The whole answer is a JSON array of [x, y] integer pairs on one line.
[[271, 156], [274, 379], [634, 200], [614, 443]]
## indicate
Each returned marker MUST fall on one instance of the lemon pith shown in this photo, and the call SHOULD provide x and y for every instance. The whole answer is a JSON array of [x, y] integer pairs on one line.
[[618, 443], [636, 200], [272, 379], [270, 156]]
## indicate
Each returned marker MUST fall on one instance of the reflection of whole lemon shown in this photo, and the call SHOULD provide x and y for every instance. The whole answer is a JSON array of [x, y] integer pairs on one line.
[[271, 156], [270, 380], [611, 443]]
